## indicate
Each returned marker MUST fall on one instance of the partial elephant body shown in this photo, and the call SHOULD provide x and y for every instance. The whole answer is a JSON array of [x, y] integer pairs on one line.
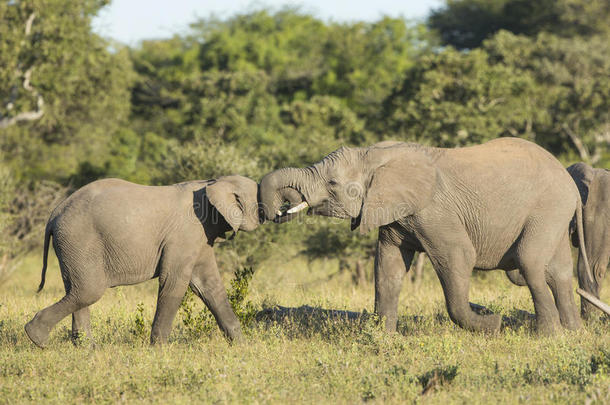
[[112, 232], [594, 187], [504, 204]]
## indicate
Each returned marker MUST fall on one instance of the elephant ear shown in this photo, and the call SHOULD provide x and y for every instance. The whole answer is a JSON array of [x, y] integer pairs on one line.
[[235, 198], [399, 187], [222, 196], [583, 176]]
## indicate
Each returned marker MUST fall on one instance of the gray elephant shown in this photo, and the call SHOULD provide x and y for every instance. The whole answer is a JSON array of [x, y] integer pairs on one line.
[[505, 204], [112, 232], [594, 187]]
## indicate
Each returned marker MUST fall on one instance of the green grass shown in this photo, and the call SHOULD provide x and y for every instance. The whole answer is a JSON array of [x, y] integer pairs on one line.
[[305, 360]]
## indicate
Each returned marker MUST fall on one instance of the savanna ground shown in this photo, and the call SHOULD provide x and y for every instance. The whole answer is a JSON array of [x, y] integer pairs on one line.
[[298, 359]]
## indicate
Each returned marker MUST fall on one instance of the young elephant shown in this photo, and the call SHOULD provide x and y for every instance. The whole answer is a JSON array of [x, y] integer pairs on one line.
[[594, 187], [504, 204], [112, 232]]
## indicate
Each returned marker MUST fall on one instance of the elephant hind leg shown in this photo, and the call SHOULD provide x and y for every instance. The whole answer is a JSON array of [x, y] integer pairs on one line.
[[81, 326], [547, 316], [39, 328], [454, 274], [172, 287], [559, 279]]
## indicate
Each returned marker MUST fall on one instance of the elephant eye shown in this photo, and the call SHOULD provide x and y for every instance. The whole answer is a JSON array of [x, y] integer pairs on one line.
[[332, 182]]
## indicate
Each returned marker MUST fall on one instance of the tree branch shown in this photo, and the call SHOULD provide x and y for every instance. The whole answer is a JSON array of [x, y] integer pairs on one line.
[[580, 147], [28, 24]]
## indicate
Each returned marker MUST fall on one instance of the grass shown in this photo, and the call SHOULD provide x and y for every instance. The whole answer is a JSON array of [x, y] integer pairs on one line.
[[304, 359]]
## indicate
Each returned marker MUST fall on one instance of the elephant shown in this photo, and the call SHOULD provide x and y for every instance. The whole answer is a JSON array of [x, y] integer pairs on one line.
[[594, 187], [112, 232], [505, 204]]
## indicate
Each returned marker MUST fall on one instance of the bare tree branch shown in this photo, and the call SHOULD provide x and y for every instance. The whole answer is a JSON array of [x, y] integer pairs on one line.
[[28, 24], [578, 144]]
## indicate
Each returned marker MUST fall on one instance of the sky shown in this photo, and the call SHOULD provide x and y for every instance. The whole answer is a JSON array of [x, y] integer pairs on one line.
[[130, 21]]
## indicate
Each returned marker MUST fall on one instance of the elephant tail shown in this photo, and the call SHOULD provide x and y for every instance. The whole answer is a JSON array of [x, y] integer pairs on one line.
[[581, 240], [45, 254]]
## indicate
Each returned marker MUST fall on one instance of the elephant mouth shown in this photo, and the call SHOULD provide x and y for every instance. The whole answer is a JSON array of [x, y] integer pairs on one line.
[[290, 208]]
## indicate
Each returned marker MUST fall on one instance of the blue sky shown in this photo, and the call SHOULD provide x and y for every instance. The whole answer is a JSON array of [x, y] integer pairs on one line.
[[130, 21]]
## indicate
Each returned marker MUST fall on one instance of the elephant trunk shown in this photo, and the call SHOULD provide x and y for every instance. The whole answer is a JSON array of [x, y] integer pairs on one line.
[[287, 184]]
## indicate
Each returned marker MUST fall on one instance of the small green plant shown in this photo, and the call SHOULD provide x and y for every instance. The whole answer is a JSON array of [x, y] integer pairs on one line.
[[244, 309], [202, 323], [600, 363], [196, 324], [139, 324]]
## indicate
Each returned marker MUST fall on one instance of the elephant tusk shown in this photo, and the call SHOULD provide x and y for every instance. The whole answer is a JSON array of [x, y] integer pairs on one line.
[[279, 213], [298, 208], [602, 306]]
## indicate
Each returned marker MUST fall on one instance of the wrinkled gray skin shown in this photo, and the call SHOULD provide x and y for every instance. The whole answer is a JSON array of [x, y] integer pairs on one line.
[[505, 204], [594, 187], [112, 232]]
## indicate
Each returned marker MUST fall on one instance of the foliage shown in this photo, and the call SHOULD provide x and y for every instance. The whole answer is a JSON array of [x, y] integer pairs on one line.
[[358, 63], [202, 323], [238, 292], [455, 99], [84, 86], [550, 90], [139, 323], [196, 324], [352, 250], [7, 245], [467, 23]]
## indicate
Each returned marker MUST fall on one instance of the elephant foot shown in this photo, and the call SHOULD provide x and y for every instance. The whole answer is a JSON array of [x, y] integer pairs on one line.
[[37, 334], [235, 335], [478, 323], [82, 339], [547, 327], [587, 311], [490, 323], [572, 322]]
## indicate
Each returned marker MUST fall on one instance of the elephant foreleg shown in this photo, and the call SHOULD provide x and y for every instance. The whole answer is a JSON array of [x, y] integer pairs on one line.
[[173, 282], [391, 265], [207, 285], [454, 271]]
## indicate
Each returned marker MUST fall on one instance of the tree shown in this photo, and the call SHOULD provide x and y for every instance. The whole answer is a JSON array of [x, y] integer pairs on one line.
[[358, 63], [62, 92], [454, 99], [573, 89], [551, 90], [465, 24]]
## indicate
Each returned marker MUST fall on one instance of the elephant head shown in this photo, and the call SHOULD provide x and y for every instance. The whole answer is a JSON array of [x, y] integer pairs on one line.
[[373, 186], [235, 198], [594, 187]]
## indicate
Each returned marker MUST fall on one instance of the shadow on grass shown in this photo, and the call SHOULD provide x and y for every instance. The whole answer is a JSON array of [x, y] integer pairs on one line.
[[314, 319]]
